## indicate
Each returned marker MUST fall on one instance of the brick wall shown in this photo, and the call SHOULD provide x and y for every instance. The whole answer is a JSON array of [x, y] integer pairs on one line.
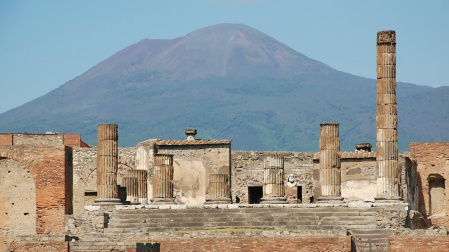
[[432, 161], [47, 165], [39, 246], [5, 139], [305, 243], [419, 243], [72, 140]]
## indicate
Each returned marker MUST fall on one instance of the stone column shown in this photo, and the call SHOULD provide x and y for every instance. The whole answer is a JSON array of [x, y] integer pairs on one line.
[[330, 174], [218, 192], [273, 180], [141, 176], [163, 179], [131, 185], [386, 119], [107, 165]]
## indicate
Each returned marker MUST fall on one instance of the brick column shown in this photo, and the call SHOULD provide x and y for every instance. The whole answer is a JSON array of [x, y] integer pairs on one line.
[[273, 180], [141, 176], [107, 165], [218, 192], [131, 185], [330, 174], [163, 179], [386, 119]]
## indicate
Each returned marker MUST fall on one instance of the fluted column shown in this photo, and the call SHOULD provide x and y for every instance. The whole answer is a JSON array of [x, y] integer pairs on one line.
[[273, 180], [218, 192], [330, 174], [386, 119], [163, 178], [141, 176], [131, 185], [107, 164]]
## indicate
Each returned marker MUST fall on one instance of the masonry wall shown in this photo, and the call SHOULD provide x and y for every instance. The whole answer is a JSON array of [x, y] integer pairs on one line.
[[192, 165], [47, 166], [432, 163], [85, 174], [247, 171]]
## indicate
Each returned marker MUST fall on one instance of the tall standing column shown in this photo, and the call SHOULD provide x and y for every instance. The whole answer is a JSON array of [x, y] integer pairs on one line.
[[218, 192], [141, 176], [163, 179], [273, 180], [386, 119], [107, 164], [330, 173]]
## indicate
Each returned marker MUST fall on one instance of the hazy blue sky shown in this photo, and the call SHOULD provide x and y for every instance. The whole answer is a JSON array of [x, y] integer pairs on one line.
[[44, 44]]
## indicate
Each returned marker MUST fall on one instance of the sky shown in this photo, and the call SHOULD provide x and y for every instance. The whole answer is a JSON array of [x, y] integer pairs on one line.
[[44, 44]]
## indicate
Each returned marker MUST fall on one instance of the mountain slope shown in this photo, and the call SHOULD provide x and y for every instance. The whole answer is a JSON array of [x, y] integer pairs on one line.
[[228, 81]]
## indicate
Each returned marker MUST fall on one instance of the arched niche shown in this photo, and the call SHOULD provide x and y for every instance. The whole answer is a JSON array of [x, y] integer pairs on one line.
[[17, 201], [437, 195]]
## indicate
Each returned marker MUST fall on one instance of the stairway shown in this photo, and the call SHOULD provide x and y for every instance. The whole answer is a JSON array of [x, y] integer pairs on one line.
[[163, 220]]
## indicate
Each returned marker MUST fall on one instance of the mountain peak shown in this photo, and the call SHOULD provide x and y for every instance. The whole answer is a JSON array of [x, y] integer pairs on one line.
[[222, 50]]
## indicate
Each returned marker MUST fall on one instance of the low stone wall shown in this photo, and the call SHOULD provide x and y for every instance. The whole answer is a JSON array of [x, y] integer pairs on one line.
[[92, 220]]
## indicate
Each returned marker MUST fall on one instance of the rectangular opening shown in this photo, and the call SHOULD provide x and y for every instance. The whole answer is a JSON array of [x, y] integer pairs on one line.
[[299, 194], [255, 193], [94, 194]]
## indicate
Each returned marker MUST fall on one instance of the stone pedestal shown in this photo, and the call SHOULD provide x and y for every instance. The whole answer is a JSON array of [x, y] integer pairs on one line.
[[330, 173], [218, 192], [107, 165], [163, 179], [388, 181], [131, 185], [142, 185], [273, 180]]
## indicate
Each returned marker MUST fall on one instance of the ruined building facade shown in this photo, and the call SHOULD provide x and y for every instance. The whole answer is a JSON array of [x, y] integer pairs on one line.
[[58, 195]]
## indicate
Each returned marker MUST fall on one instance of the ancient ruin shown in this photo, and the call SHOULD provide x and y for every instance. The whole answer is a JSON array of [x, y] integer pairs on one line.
[[58, 194]]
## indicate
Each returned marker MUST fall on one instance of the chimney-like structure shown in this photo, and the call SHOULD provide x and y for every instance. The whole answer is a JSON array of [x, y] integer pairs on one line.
[[191, 133], [107, 165], [330, 164], [386, 119]]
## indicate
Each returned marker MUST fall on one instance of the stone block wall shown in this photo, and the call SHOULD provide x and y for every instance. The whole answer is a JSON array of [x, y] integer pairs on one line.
[[247, 171], [85, 173], [433, 180]]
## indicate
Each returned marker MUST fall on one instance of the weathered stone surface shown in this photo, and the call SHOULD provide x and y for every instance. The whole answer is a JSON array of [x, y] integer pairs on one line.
[[330, 174]]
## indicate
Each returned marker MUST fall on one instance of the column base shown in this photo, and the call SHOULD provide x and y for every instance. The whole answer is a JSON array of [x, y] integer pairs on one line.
[[163, 201], [387, 199], [273, 200], [218, 201], [329, 199], [106, 201]]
